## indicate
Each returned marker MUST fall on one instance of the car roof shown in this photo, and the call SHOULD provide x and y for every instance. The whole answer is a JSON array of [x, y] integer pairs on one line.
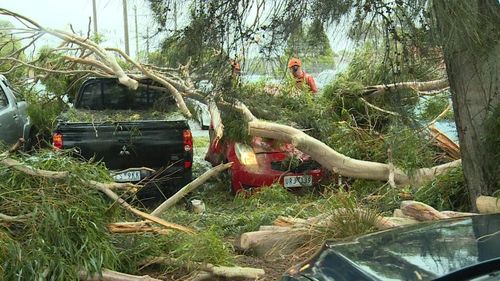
[[423, 251]]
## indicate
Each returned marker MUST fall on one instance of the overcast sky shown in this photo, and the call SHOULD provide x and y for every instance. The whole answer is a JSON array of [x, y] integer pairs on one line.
[[59, 14]]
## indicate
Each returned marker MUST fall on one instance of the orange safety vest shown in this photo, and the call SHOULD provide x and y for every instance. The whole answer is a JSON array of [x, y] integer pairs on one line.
[[309, 80]]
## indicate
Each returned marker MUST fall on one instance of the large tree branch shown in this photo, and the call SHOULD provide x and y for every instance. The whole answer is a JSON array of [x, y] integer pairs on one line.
[[339, 163], [428, 86]]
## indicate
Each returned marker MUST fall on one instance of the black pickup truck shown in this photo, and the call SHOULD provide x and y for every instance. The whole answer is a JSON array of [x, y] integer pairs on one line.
[[138, 134]]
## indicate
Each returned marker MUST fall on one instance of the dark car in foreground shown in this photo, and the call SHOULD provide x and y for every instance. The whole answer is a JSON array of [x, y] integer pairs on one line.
[[265, 162], [455, 249]]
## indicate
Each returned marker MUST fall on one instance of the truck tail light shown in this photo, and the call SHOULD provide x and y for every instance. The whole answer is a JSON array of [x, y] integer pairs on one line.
[[188, 140], [188, 147], [57, 140]]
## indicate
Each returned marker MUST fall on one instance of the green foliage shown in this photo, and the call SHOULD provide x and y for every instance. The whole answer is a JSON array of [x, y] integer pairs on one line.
[[446, 192], [43, 110], [434, 106], [410, 148], [67, 229], [346, 217], [9, 45]]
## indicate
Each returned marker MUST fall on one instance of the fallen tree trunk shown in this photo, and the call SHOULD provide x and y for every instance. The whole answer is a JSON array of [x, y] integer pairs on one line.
[[190, 187], [339, 163], [488, 204]]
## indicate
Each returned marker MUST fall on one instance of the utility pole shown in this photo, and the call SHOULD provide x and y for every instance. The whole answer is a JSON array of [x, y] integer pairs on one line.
[[125, 27], [175, 15], [136, 34], [94, 14], [147, 44]]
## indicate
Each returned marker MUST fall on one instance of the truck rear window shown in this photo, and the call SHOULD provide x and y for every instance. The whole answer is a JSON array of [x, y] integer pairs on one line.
[[109, 94]]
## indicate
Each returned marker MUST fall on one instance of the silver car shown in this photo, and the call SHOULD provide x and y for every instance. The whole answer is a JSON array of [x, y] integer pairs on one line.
[[14, 121]]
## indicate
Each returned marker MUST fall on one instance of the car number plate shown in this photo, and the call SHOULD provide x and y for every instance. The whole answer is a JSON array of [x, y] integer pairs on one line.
[[127, 176], [297, 181]]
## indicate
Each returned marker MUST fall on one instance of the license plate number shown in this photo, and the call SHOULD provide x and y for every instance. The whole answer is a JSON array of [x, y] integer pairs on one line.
[[127, 176], [297, 181]]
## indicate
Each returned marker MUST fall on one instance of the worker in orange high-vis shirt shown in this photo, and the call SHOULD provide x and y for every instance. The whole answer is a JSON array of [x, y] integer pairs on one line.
[[301, 77]]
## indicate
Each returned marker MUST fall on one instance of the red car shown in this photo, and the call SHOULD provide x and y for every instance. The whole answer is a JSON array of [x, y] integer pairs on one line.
[[265, 162]]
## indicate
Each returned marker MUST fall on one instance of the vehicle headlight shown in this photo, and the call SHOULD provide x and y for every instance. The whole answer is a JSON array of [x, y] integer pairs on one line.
[[245, 154]]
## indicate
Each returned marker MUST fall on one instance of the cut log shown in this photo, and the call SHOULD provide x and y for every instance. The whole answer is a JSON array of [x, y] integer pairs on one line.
[[488, 204], [272, 242], [190, 187], [421, 211]]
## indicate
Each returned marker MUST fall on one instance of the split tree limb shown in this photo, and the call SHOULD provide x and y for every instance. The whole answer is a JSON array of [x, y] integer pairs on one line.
[[190, 187]]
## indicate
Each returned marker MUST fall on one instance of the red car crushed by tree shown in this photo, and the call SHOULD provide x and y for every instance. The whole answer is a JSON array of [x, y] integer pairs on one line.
[[264, 162]]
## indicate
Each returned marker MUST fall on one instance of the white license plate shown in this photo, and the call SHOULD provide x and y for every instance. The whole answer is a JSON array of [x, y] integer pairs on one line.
[[127, 176], [296, 181]]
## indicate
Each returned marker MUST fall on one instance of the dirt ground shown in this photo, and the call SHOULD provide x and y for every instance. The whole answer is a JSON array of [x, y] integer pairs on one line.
[[274, 268]]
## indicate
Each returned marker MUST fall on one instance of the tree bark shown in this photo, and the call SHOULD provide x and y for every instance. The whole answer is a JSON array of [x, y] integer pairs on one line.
[[469, 33]]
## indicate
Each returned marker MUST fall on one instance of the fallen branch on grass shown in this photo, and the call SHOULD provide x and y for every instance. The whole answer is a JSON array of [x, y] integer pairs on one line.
[[103, 187], [111, 275], [213, 270], [7, 218], [133, 228], [139, 213], [190, 187]]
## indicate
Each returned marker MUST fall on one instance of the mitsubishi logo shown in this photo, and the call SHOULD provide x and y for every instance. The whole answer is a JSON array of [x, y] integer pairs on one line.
[[124, 151]]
